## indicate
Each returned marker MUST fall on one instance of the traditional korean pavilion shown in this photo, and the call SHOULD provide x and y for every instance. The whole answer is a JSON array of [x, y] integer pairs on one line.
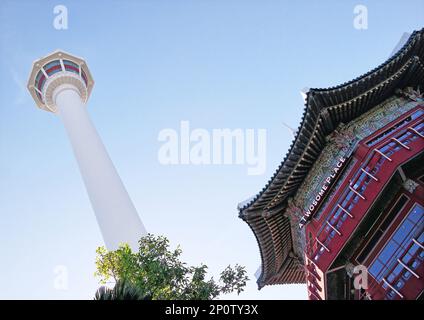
[[347, 199]]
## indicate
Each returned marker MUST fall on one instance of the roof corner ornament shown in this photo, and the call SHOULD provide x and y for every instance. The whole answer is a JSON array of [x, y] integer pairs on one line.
[[293, 210], [350, 269], [342, 137], [298, 260], [410, 185], [411, 94]]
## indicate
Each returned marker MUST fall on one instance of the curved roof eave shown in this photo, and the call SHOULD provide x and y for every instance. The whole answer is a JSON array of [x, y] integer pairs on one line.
[[313, 108]]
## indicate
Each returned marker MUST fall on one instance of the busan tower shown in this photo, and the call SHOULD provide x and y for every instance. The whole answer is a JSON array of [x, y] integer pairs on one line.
[[61, 83]]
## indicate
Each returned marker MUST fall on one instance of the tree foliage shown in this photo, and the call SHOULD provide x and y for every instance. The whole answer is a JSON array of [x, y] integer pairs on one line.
[[157, 272]]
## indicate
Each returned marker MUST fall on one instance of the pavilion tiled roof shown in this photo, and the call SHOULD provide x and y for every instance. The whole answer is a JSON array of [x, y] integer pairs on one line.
[[324, 110]]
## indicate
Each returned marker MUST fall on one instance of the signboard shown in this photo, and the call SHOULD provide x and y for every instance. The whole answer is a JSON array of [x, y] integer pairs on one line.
[[322, 192]]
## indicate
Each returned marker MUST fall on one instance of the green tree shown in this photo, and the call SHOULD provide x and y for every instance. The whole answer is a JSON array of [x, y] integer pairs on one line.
[[156, 272]]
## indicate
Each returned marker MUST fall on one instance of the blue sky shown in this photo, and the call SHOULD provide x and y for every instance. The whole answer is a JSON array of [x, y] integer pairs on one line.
[[218, 64]]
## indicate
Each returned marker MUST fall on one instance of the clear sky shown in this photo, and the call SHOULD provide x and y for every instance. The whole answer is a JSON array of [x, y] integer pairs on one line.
[[218, 64]]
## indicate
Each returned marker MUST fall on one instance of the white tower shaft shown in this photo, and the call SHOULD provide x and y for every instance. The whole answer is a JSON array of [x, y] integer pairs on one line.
[[115, 212], [61, 83]]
